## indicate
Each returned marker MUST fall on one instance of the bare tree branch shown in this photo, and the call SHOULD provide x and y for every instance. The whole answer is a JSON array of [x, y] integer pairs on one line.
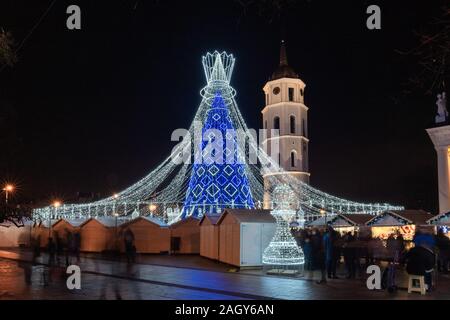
[[7, 54]]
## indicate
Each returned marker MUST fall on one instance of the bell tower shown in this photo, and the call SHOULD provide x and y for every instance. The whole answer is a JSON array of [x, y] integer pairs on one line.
[[286, 111]]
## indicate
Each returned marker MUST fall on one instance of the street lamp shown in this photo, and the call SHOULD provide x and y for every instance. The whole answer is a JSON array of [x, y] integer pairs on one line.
[[152, 207], [56, 205], [8, 188]]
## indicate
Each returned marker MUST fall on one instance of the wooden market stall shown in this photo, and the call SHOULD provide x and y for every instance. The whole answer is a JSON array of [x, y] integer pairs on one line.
[[355, 222], [185, 236], [99, 234], [151, 235], [243, 236], [209, 236], [441, 221], [343, 223], [14, 236], [320, 222], [62, 226], [406, 222]]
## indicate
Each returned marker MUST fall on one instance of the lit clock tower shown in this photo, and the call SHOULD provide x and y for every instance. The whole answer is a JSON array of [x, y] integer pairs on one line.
[[285, 111]]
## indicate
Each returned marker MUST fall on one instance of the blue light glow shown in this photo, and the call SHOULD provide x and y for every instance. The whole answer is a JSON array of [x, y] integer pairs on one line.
[[220, 181]]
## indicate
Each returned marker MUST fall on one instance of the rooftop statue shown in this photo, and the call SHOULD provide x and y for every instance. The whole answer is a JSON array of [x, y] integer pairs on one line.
[[442, 113]]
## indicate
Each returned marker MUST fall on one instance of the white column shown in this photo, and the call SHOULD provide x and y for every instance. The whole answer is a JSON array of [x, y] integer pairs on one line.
[[441, 140], [443, 179]]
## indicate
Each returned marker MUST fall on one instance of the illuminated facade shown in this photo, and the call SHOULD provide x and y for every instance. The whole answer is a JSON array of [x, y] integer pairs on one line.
[[286, 112]]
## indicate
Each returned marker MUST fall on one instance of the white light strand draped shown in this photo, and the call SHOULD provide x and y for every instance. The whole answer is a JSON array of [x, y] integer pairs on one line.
[[162, 192]]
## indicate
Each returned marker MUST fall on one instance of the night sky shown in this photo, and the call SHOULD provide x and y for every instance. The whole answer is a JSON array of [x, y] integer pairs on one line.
[[93, 110]]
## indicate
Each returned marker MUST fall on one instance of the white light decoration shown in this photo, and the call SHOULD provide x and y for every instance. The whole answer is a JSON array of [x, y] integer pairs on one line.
[[283, 249], [167, 185]]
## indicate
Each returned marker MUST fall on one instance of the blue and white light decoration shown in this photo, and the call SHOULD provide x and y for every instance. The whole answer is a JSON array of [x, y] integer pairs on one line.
[[220, 180], [166, 190]]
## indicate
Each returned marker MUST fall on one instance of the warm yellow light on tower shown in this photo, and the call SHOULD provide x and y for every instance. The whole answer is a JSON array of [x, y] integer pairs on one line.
[[56, 204], [9, 188], [152, 207]]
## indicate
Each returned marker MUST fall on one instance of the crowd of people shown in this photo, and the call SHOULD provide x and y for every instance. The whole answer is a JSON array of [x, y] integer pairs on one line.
[[327, 250]]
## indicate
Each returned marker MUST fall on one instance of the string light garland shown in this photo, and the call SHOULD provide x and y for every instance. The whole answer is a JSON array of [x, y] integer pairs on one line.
[[169, 186]]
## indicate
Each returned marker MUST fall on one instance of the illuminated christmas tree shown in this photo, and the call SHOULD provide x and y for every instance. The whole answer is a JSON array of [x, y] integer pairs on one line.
[[283, 249], [220, 180]]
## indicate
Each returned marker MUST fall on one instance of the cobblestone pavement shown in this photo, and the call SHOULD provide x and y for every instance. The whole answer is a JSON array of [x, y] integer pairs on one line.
[[106, 279]]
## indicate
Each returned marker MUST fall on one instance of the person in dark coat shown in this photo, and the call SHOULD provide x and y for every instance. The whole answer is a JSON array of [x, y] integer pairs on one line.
[[420, 261], [308, 252], [443, 245], [329, 240], [129, 245], [51, 248], [77, 245], [424, 239], [349, 251], [318, 255]]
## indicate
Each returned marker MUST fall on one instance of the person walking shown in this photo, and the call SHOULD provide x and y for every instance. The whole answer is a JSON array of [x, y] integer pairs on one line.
[[51, 248], [349, 255], [443, 246], [308, 252], [129, 245], [77, 245], [329, 239], [69, 247], [318, 255]]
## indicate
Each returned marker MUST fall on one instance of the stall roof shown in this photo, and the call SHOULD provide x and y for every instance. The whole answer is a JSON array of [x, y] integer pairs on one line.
[[155, 220], [179, 222], [440, 219], [416, 217], [47, 223], [108, 222], [149, 218], [72, 222], [320, 221], [213, 218], [15, 222], [249, 215], [358, 219]]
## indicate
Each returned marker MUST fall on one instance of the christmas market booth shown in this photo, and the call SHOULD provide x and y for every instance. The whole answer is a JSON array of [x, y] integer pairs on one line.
[[344, 223], [63, 226], [441, 222], [320, 223], [405, 222], [355, 222], [209, 236], [243, 236], [99, 234], [185, 236], [15, 234], [151, 235]]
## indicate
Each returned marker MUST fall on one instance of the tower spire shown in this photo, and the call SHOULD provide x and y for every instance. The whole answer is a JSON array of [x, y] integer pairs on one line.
[[283, 56], [283, 70]]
